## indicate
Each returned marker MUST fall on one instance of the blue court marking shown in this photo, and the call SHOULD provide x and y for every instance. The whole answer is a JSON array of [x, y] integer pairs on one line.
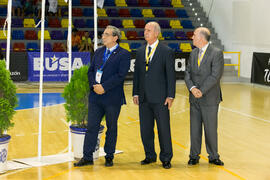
[[31, 100]]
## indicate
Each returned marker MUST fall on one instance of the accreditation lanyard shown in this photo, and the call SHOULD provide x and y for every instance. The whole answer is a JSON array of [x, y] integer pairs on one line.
[[200, 59], [106, 57], [150, 55]]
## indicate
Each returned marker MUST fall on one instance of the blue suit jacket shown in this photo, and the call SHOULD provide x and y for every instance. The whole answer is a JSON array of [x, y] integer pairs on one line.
[[114, 72]]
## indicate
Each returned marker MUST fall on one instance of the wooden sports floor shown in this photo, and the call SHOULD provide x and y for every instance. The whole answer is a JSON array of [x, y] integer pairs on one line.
[[243, 129]]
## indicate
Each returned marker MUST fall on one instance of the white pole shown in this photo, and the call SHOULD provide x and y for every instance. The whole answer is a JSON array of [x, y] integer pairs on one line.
[[69, 60], [95, 24], [8, 34], [41, 80]]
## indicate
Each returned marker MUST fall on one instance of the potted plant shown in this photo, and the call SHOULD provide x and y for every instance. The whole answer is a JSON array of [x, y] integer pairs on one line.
[[76, 95], [8, 101]]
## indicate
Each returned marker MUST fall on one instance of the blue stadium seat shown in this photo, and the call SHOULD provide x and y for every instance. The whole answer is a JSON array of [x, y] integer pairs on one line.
[[135, 46], [17, 35], [181, 13], [32, 47], [136, 13], [89, 23], [168, 35], [89, 12], [187, 24], [174, 46]]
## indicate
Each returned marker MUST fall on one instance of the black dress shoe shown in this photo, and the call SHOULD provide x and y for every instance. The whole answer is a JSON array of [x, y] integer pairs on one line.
[[193, 161], [216, 162], [166, 164], [147, 161], [83, 162], [109, 162]]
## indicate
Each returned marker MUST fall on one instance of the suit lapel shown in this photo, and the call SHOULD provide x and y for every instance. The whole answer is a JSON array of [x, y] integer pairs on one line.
[[111, 58], [156, 55], [206, 55]]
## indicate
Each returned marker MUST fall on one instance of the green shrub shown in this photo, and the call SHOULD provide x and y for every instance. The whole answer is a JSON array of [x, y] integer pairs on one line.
[[8, 99], [76, 95]]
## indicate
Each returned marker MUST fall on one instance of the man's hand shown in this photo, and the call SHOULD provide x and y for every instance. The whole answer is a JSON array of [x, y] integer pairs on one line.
[[136, 100], [99, 89], [196, 92], [168, 101]]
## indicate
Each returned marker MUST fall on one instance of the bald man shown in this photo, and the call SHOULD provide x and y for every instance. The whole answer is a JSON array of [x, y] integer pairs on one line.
[[154, 91], [202, 77]]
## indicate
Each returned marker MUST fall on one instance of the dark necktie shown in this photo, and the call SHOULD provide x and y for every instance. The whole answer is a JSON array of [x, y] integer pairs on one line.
[[149, 50]]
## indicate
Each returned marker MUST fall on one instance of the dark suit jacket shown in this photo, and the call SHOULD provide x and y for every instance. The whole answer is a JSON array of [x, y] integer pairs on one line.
[[114, 72], [207, 76], [158, 82]]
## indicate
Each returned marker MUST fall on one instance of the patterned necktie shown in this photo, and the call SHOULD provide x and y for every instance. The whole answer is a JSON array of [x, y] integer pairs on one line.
[[107, 54], [200, 57]]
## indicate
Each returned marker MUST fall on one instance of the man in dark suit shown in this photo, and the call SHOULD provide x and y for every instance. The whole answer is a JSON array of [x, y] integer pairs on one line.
[[106, 76], [154, 91], [202, 77]]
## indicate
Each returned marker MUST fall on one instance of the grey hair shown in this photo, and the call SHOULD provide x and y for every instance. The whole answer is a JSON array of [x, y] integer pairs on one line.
[[205, 32], [115, 32], [156, 26]]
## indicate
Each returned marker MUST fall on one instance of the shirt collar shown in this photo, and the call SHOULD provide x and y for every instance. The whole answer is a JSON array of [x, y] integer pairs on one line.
[[205, 47], [153, 45], [113, 48]]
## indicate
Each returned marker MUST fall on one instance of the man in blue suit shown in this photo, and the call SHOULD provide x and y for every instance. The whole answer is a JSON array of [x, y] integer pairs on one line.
[[106, 76]]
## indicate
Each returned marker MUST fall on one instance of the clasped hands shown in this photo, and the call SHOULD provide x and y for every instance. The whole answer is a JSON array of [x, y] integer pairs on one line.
[[196, 92], [98, 89], [168, 101]]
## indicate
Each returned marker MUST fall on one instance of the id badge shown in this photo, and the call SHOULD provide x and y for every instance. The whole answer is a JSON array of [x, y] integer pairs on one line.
[[98, 76]]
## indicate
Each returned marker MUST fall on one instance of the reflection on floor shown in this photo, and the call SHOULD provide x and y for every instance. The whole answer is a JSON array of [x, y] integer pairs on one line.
[[31, 100]]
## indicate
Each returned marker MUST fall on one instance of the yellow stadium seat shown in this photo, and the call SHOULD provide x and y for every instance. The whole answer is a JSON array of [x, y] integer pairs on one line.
[[29, 23], [3, 2], [123, 35], [2, 35], [160, 37], [185, 47], [175, 24], [121, 3], [125, 46], [64, 23], [46, 35], [102, 12], [62, 3], [177, 3], [147, 13], [128, 23]]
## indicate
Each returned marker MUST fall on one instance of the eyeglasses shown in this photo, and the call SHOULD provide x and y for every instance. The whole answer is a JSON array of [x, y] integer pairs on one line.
[[106, 34]]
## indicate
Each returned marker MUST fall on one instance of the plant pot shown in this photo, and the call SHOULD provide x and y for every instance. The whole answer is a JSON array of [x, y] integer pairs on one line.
[[78, 135], [3, 153]]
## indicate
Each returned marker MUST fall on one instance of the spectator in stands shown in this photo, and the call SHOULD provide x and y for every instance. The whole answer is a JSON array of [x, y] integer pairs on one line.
[[2, 57], [53, 7], [17, 6], [202, 77], [106, 96], [99, 41], [86, 44], [38, 8], [76, 40], [29, 8]]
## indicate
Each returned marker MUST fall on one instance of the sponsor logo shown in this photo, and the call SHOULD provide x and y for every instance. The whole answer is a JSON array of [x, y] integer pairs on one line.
[[57, 63]]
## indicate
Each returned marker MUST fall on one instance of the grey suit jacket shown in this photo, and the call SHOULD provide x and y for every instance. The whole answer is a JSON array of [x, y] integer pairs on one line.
[[207, 76], [158, 82]]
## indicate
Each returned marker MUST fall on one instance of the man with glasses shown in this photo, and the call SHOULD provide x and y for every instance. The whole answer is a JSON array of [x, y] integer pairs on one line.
[[106, 76]]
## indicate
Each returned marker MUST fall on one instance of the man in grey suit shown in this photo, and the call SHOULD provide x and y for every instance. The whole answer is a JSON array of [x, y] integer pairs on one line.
[[154, 91], [202, 77]]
